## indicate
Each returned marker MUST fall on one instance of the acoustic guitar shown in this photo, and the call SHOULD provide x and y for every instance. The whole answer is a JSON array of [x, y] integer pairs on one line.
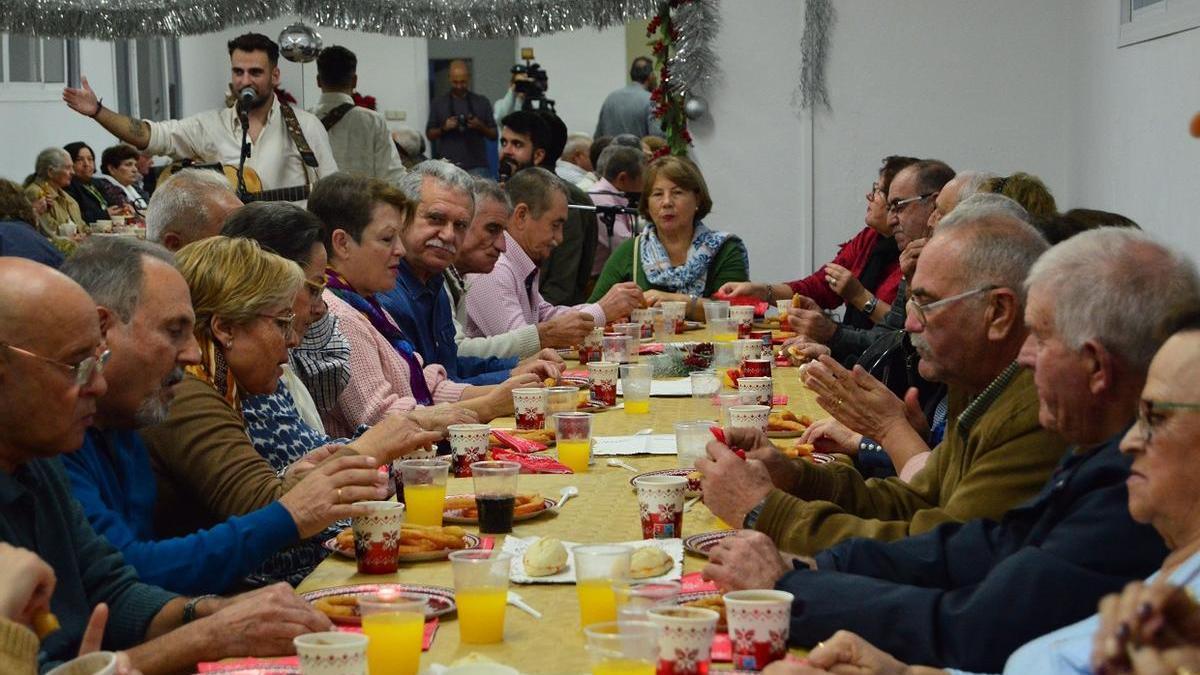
[[254, 188]]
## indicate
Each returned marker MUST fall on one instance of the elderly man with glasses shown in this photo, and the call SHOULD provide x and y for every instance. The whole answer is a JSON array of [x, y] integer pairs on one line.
[[52, 353], [967, 324]]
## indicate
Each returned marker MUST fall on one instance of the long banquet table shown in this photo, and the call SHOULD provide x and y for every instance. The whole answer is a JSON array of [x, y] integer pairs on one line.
[[606, 510]]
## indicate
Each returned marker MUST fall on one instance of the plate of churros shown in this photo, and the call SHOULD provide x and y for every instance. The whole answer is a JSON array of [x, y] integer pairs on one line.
[[461, 509], [340, 603], [417, 542], [784, 424]]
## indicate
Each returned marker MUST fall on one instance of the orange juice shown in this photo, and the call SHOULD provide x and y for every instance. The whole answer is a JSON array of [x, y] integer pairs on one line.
[[724, 337], [575, 454], [597, 601], [623, 667], [395, 642], [481, 615], [423, 504], [637, 407]]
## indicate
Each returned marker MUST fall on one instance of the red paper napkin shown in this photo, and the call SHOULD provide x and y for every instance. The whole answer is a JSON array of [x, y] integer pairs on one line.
[[431, 628], [531, 463], [779, 399], [516, 443], [760, 306], [651, 348]]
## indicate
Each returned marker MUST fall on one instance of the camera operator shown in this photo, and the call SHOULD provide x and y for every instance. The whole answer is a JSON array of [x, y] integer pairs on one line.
[[461, 123]]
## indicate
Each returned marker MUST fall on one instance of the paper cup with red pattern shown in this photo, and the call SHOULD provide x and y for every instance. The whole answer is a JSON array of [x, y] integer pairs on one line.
[[469, 442], [749, 416], [660, 504], [675, 316], [332, 653], [756, 390], [685, 639], [746, 348], [756, 367], [529, 407], [758, 626], [615, 347], [377, 537], [603, 378]]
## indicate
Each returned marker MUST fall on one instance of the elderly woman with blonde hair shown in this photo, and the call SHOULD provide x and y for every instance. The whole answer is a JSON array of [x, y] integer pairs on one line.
[[208, 470]]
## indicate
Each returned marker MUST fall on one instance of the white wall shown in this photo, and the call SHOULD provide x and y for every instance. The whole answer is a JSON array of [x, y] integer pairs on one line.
[[584, 66], [28, 127], [1130, 149], [392, 69]]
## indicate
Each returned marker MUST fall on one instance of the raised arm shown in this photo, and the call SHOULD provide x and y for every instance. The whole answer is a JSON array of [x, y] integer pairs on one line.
[[84, 101]]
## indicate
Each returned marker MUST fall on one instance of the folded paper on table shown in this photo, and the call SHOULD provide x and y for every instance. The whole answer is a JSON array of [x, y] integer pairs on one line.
[[516, 443], [695, 583], [431, 628], [675, 387], [651, 348], [651, 444], [516, 546]]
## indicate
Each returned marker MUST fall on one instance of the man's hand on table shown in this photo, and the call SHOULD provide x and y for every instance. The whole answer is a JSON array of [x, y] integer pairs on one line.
[[783, 470], [746, 560], [732, 486], [260, 623], [543, 369]]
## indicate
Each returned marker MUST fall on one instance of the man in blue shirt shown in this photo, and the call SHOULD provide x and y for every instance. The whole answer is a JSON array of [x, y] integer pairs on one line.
[[149, 334], [51, 357], [444, 206]]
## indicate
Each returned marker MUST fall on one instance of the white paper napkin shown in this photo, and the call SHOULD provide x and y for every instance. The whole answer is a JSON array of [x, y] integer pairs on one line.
[[516, 547], [676, 387], [649, 444]]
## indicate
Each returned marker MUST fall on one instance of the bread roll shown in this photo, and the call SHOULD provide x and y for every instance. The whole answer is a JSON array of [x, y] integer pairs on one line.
[[649, 561], [547, 556]]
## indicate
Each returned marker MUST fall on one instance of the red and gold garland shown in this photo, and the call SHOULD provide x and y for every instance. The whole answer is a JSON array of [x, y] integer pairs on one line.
[[668, 104]]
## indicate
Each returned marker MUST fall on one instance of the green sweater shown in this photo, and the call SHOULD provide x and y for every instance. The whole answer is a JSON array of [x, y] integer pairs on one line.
[[994, 456], [728, 265]]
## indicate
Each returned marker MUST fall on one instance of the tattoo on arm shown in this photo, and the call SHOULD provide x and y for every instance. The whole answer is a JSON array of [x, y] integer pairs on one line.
[[137, 129]]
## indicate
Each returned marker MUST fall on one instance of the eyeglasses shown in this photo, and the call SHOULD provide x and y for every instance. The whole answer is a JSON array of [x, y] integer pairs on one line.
[[83, 372], [1148, 417], [314, 289], [921, 310], [876, 189], [898, 205], [285, 323]]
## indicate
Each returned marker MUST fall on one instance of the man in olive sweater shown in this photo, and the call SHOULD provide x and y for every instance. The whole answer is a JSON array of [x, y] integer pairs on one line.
[[966, 321], [51, 357]]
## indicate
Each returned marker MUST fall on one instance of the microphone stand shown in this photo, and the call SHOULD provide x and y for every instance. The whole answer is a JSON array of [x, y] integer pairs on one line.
[[607, 214], [244, 117]]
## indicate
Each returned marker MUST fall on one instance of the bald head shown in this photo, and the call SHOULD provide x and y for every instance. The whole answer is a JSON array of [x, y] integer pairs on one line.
[[460, 78], [49, 326]]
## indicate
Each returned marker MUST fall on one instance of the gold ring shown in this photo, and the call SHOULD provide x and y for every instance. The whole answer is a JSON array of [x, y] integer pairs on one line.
[[838, 403], [339, 495], [819, 645]]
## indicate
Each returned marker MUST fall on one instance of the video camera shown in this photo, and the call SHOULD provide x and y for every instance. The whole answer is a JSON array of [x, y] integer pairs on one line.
[[533, 84]]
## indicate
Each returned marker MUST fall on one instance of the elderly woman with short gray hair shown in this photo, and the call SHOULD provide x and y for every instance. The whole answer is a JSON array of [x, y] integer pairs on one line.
[[58, 213]]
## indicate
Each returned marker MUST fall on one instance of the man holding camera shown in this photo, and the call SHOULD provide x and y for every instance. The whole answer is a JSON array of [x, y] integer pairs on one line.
[[461, 123]]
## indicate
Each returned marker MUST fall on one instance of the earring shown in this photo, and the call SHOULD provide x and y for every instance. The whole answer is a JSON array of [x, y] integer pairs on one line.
[[229, 345]]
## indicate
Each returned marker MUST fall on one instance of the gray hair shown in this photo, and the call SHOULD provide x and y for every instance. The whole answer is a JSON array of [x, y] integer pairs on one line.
[[1117, 286], [972, 182], [576, 143], [443, 172], [49, 160], [620, 158], [484, 189], [110, 270], [409, 140], [532, 186], [181, 202], [1002, 246]]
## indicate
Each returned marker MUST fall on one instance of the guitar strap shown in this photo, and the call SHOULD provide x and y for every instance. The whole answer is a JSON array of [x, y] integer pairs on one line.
[[293, 127], [334, 116]]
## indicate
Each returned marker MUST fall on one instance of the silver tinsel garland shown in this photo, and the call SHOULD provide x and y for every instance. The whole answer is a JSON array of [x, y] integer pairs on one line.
[[694, 66], [446, 19], [814, 50]]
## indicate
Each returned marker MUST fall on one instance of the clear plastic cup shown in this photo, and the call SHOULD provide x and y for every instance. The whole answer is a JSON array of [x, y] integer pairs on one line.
[[690, 439], [424, 490], [715, 309], [625, 648], [495, 495], [597, 568], [561, 399], [633, 599], [481, 593], [635, 387], [573, 439], [395, 625]]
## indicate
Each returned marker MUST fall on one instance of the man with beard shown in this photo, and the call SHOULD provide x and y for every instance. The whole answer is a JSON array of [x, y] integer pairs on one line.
[[146, 319], [290, 146]]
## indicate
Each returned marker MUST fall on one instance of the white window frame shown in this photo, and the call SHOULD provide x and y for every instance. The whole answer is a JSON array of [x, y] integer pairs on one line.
[[37, 91], [129, 76], [1167, 17]]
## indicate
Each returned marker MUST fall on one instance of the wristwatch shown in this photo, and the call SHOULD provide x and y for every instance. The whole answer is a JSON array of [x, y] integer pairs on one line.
[[870, 305], [752, 517], [189, 610]]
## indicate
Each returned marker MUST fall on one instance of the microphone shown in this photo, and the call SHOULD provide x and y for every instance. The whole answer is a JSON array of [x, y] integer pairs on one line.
[[246, 96]]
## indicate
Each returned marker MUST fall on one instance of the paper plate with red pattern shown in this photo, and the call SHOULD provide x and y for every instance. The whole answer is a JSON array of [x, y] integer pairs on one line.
[[340, 603]]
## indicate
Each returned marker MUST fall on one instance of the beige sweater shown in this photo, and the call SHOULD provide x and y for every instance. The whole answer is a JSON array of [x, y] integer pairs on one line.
[[18, 649]]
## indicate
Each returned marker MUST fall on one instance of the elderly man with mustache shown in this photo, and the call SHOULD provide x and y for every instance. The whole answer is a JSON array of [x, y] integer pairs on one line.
[[432, 238]]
